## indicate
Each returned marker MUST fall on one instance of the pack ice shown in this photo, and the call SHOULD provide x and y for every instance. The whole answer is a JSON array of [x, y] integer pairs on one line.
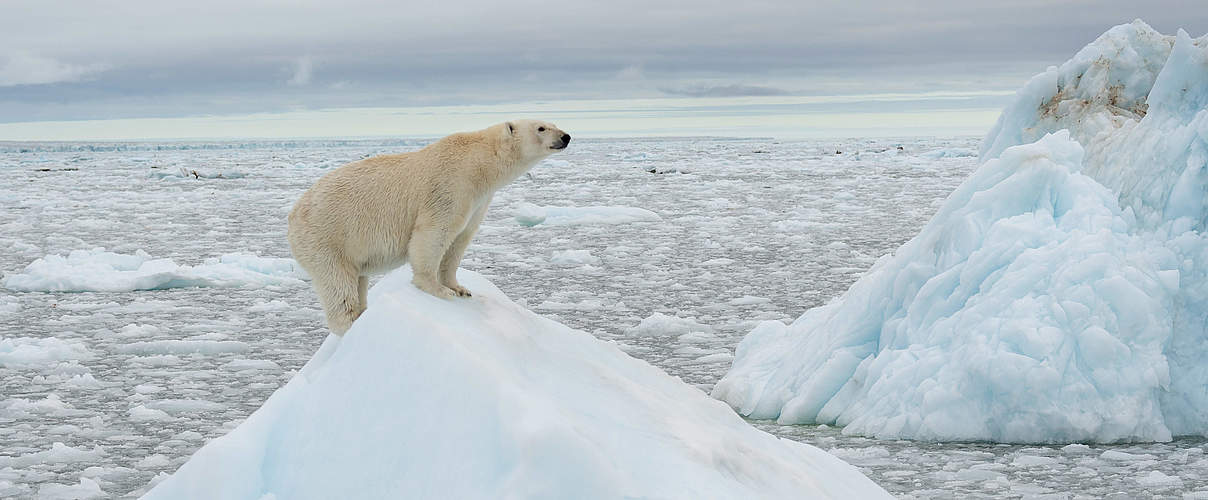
[[480, 398], [1059, 294]]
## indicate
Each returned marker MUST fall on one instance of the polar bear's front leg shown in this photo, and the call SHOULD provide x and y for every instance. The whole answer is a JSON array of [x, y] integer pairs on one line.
[[425, 250], [452, 258]]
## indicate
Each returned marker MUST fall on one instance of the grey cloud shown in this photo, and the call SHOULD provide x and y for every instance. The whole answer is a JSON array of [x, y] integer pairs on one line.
[[153, 58]]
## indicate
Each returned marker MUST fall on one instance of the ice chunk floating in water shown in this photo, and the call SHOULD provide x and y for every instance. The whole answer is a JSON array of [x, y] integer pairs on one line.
[[97, 270], [1059, 294], [528, 214], [480, 398], [26, 352]]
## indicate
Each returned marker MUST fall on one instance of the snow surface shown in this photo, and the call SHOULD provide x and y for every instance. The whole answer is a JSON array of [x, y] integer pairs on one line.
[[539, 410], [1060, 293]]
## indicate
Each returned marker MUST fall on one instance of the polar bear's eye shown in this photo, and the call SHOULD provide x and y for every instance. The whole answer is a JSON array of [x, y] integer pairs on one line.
[[541, 129]]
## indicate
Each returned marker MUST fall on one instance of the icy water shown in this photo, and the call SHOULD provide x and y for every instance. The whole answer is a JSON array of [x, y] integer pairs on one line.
[[96, 398]]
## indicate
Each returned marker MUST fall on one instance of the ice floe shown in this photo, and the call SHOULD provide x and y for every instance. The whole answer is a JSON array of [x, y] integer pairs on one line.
[[480, 398]]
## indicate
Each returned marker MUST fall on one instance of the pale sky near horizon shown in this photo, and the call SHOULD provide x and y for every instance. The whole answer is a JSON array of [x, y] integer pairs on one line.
[[146, 69]]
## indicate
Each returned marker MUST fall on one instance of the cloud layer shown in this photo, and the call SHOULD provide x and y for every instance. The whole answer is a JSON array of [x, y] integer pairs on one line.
[[143, 58]]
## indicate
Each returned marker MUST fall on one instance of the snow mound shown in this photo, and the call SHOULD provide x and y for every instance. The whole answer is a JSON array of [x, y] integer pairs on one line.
[[1060, 293], [97, 270], [480, 398], [528, 214]]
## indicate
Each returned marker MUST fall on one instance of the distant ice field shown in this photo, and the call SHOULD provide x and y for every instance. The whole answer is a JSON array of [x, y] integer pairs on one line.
[[101, 391]]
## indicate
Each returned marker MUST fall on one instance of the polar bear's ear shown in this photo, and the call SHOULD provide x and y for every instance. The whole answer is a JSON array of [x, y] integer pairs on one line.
[[511, 128]]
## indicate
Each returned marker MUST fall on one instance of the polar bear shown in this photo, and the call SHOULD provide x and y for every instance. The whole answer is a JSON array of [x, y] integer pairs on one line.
[[422, 207]]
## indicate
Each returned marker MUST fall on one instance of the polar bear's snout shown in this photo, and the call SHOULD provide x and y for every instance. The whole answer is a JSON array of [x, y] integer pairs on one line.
[[564, 141]]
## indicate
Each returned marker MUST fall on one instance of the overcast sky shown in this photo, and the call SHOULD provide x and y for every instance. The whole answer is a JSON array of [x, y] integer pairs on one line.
[[104, 60]]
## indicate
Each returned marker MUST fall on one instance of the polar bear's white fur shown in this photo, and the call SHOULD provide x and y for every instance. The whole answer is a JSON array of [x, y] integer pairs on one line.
[[421, 207]]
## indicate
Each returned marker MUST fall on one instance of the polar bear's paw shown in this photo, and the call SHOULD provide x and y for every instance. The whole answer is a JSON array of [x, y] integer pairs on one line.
[[434, 288], [461, 291], [443, 292]]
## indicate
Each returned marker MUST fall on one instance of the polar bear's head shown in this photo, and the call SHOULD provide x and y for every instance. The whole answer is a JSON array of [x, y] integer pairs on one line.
[[538, 139]]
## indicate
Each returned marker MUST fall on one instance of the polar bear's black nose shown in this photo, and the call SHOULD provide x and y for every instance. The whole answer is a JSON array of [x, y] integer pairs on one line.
[[565, 138]]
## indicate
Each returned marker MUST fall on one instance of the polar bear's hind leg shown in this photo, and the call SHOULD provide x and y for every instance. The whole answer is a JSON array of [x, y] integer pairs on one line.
[[362, 293], [338, 292]]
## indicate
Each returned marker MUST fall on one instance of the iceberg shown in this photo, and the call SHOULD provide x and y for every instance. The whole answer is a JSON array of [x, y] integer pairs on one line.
[[1060, 294], [480, 398]]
